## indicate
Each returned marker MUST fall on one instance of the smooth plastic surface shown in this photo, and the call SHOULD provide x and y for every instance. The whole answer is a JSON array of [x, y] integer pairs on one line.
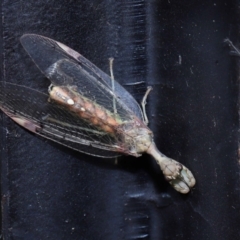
[[51, 192]]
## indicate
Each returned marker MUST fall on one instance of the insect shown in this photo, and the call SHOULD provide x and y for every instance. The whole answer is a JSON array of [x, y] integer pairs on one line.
[[85, 109]]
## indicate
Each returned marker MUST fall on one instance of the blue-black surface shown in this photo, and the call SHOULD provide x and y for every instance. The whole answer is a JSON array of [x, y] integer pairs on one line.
[[50, 192]]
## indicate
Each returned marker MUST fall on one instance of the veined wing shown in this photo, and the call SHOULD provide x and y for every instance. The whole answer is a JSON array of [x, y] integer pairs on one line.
[[89, 87], [49, 55], [32, 110]]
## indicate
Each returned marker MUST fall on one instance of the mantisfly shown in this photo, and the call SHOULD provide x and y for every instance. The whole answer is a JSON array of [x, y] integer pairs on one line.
[[85, 109]]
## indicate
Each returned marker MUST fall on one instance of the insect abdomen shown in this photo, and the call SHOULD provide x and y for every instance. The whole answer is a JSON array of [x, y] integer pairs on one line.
[[84, 108]]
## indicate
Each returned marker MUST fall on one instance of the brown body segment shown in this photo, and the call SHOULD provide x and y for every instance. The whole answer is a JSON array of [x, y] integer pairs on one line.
[[84, 108]]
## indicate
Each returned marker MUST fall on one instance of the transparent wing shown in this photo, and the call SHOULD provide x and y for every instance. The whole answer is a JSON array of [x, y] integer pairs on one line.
[[32, 110], [50, 56], [68, 71]]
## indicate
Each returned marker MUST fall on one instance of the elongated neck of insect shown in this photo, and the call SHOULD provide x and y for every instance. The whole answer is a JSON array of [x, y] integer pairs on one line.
[[157, 155]]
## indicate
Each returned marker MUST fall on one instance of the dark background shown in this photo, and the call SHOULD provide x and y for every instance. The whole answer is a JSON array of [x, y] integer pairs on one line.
[[51, 192]]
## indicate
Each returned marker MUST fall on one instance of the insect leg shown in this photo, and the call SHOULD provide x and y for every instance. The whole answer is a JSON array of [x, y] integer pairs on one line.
[[143, 104], [113, 85], [234, 50], [113, 89]]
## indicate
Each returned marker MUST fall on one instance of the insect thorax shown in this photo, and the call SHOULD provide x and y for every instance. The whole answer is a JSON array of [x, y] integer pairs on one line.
[[136, 137]]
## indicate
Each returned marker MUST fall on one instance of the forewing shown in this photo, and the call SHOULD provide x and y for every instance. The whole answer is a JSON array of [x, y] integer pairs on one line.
[[89, 87], [32, 110], [47, 53]]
